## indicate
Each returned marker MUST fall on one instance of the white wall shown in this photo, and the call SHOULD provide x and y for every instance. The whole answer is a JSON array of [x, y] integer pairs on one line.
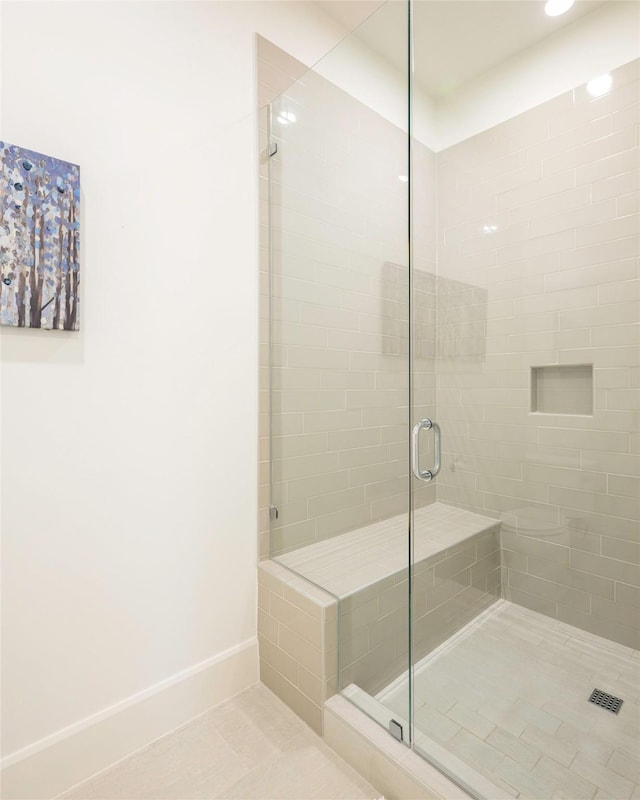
[[129, 449], [600, 41]]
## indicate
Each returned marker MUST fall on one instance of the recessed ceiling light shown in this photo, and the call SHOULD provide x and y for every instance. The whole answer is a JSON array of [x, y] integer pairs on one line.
[[286, 117], [553, 8], [600, 85]]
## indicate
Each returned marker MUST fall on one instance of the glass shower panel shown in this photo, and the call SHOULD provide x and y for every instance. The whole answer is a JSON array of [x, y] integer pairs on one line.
[[339, 178], [525, 353]]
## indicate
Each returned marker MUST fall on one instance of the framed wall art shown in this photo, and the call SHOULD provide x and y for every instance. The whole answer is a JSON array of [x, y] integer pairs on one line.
[[39, 240]]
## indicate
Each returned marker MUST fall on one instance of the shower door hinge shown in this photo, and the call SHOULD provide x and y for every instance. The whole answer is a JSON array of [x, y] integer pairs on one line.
[[273, 149], [273, 513], [395, 729]]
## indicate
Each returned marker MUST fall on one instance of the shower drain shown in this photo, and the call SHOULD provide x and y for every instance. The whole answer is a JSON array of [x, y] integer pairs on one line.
[[604, 700]]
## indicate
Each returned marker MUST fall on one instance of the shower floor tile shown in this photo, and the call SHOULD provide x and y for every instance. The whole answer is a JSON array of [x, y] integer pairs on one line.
[[250, 747], [508, 695]]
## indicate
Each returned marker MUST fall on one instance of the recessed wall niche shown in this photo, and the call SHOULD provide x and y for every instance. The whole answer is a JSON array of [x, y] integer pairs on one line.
[[562, 389]]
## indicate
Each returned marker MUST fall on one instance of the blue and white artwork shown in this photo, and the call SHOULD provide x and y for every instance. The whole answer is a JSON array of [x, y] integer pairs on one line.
[[39, 240]]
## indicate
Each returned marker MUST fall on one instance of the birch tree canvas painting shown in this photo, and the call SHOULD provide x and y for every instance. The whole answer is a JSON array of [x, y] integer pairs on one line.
[[39, 240]]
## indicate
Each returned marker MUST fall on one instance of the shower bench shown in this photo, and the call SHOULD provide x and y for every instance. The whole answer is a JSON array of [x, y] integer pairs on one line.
[[349, 562], [456, 575], [350, 594]]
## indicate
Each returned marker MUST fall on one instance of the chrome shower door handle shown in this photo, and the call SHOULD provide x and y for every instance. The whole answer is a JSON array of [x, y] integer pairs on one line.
[[425, 474]]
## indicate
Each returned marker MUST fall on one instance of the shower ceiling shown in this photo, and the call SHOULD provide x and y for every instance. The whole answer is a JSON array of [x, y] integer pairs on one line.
[[465, 38]]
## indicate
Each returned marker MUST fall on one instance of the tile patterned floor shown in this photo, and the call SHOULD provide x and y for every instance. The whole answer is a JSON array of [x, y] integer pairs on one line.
[[508, 696], [250, 747], [353, 560]]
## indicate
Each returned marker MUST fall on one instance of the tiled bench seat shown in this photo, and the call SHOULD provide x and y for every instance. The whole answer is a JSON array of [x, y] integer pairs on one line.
[[346, 564], [363, 583]]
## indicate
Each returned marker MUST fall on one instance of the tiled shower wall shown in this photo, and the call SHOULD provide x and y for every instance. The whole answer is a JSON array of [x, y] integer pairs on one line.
[[537, 267], [538, 216], [340, 313]]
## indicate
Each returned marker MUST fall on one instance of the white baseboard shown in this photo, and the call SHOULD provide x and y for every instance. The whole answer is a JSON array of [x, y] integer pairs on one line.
[[52, 765]]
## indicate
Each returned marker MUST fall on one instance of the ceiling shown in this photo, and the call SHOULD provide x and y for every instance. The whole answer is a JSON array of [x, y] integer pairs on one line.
[[349, 13], [455, 40]]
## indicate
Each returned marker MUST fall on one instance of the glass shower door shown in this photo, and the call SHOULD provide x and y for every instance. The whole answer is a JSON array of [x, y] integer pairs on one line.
[[525, 351], [454, 381], [339, 178]]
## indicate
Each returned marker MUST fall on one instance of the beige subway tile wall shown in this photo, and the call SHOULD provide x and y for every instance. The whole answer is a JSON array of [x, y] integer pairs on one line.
[[297, 630], [538, 217], [536, 249], [338, 214]]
